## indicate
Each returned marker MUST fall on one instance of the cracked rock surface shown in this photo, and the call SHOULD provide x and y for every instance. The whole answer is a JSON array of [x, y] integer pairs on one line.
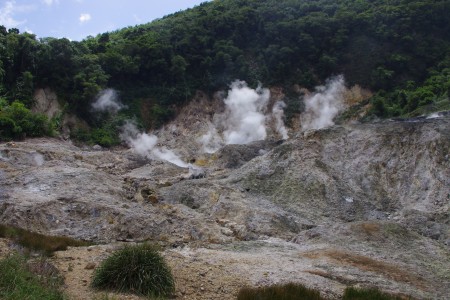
[[364, 205]]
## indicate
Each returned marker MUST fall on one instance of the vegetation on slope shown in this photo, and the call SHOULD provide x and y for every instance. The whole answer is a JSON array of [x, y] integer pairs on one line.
[[296, 291], [398, 49], [352, 293], [17, 121], [22, 279], [137, 269], [290, 291], [38, 242]]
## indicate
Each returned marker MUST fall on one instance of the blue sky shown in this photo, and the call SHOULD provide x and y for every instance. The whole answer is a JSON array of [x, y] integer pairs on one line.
[[76, 19]]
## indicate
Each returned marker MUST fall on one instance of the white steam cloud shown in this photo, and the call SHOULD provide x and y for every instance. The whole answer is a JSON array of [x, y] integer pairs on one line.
[[324, 104], [107, 101], [211, 141], [435, 115], [146, 145], [244, 120], [38, 159], [278, 114], [245, 109]]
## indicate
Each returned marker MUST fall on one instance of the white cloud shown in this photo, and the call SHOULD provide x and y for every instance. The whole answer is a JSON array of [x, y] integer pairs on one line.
[[85, 18], [7, 14], [136, 18], [50, 2]]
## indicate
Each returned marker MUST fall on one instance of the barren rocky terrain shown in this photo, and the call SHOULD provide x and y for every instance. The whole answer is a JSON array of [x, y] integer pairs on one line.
[[363, 205]]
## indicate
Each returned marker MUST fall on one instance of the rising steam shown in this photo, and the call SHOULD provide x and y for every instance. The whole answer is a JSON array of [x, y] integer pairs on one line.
[[278, 114], [244, 120], [245, 108], [211, 141], [146, 145], [435, 115], [107, 101], [38, 159], [322, 106]]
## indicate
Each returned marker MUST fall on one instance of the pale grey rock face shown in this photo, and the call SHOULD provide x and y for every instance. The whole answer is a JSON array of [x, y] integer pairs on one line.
[[352, 204], [46, 102]]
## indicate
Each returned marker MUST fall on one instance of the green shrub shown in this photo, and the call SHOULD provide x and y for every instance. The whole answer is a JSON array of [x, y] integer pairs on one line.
[[17, 281], [17, 121], [351, 293], [8, 128], [81, 135], [290, 291], [105, 136], [39, 242], [138, 269]]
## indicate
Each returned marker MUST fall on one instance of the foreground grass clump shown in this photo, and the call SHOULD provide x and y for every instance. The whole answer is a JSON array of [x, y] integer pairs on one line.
[[351, 293], [138, 269], [39, 242], [17, 281], [290, 291]]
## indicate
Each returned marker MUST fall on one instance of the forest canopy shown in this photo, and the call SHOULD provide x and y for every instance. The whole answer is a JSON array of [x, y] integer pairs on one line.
[[398, 49]]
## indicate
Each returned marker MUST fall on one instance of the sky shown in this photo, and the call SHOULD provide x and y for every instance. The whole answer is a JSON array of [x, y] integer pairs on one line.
[[77, 19]]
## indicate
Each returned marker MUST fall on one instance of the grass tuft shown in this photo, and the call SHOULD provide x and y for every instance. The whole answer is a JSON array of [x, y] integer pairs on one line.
[[290, 291], [138, 269], [18, 281], [352, 293], [39, 242]]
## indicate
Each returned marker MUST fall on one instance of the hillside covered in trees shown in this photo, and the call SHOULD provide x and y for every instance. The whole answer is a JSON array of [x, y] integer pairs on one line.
[[398, 49]]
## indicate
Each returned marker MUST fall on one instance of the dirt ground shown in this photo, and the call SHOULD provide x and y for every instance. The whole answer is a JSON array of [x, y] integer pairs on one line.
[[218, 272], [195, 279]]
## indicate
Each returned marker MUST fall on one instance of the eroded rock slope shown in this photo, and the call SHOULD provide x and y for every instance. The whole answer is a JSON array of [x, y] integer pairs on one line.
[[364, 204]]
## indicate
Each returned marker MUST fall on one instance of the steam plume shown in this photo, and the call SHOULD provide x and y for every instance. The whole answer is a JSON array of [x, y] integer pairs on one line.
[[146, 145], [278, 114], [245, 109], [435, 115], [324, 105], [211, 141], [107, 101], [243, 121], [38, 159]]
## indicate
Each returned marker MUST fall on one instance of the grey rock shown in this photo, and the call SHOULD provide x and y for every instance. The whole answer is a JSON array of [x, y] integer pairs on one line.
[[376, 191]]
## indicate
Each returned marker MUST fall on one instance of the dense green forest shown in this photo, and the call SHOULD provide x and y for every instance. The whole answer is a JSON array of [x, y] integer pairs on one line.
[[399, 49]]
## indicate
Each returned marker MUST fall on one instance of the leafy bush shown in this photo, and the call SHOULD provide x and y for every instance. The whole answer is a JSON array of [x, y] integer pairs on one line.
[[105, 133], [17, 281], [351, 293], [97, 136], [290, 291], [105, 137], [8, 128], [17, 121], [138, 269], [36, 241]]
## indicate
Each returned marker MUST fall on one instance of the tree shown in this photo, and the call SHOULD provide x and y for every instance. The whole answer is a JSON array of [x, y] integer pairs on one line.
[[18, 122], [178, 67]]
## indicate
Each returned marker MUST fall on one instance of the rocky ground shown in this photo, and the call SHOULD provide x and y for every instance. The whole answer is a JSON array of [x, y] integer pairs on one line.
[[363, 205]]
